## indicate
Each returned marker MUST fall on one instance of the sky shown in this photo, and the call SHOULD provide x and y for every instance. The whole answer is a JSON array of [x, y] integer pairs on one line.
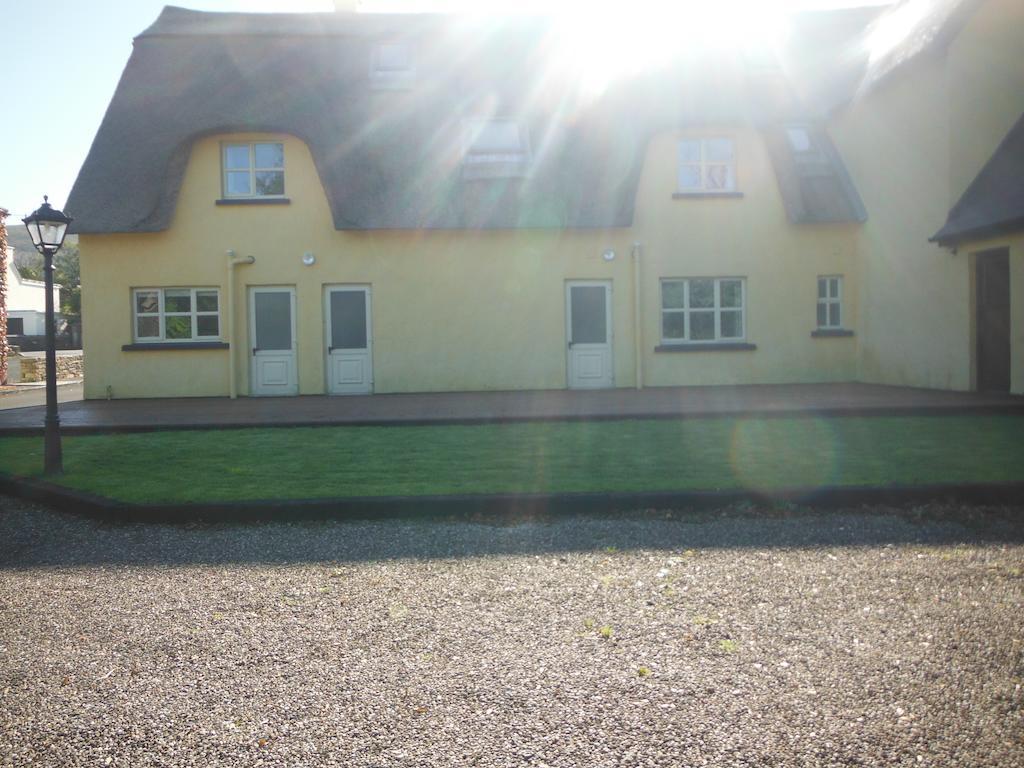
[[76, 50]]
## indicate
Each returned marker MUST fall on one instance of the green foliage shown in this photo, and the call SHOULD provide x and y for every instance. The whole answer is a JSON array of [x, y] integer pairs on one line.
[[605, 632]]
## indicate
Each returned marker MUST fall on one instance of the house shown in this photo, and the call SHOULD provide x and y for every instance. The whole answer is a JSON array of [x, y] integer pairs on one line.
[[26, 303], [280, 204]]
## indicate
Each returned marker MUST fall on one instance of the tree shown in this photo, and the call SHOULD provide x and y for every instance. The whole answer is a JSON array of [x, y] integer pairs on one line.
[[66, 273]]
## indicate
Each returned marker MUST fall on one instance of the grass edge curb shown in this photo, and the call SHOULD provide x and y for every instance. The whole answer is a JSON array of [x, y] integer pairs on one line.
[[498, 507]]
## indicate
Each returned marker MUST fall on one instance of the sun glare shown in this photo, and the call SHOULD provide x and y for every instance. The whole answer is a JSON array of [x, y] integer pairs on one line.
[[604, 44]]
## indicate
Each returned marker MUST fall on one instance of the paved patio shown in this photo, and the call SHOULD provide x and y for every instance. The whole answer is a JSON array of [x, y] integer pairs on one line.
[[470, 407]]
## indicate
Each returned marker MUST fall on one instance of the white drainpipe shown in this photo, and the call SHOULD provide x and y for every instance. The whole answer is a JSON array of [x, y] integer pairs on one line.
[[233, 350], [638, 331]]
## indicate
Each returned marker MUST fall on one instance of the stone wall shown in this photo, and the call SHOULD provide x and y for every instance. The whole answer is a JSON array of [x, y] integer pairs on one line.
[[68, 367]]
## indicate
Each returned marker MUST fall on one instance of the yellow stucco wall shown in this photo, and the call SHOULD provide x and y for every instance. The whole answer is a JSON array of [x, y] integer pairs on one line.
[[895, 142], [912, 146], [472, 310], [985, 70], [744, 237]]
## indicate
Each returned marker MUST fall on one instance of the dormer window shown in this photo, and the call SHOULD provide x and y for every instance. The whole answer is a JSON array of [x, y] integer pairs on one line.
[[496, 148], [799, 139], [254, 170], [392, 65], [706, 166]]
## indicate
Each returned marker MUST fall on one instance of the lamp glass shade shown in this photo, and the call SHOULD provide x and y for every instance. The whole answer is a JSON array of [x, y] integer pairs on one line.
[[47, 227]]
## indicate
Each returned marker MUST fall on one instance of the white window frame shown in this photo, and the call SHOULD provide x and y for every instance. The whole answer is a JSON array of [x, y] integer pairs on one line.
[[704, 163], [717, 309], [392, 79], [252, 169], [829, 300], [162, 314]]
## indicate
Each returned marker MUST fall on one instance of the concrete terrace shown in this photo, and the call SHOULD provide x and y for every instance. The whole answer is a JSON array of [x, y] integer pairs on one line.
[[481, 407]]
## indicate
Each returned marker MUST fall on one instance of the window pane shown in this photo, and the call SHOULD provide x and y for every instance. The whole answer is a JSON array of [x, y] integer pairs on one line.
[[731, 293], [799, 139], [208, 325], [177, 301], [689, 177], [822, 288], [718, 150], [206, 301], [236, 156], [732, 324], [833, 315], [589, 321], [702, 326], [273, 312], [673, 294], [147, 301], [147, 327], [348, 319], [178, 327], [269, 155], [497, 137], [673, 325], [393, 57], [717, 177], [702, 293], [834, 287], [822, 315], [238, 183], [689, 151], [269, 182]]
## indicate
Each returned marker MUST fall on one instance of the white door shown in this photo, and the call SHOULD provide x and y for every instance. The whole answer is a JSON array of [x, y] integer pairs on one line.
[[589, 331], [349, 340], [272, 331]]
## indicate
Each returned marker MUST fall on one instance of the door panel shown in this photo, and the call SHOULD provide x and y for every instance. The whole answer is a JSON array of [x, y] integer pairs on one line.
[[272, 329], [588, 321], [992, 303], [349, 346]]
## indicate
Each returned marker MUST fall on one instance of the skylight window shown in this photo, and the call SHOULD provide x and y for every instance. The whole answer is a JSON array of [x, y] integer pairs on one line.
[[496, 148], [392, 65], [799, 139]]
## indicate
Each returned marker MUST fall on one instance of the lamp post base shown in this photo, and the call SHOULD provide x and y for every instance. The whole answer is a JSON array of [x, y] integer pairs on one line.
[[53, 460]]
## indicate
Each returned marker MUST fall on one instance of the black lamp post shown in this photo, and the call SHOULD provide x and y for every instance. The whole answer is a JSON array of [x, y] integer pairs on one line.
[[47, 228]]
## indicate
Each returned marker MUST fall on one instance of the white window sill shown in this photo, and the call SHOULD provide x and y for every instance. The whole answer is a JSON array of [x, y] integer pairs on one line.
[[707, 346], [705, 195], [253, 201], [161, 346]]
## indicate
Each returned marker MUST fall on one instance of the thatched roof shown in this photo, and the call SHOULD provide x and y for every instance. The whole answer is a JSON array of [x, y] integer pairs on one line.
[[394, 160]]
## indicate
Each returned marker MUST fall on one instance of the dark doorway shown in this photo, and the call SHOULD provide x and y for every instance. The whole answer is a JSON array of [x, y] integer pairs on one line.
[[992, 280]]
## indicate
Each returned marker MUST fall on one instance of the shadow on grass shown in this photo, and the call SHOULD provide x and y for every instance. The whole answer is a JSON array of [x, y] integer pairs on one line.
[[33, 536]]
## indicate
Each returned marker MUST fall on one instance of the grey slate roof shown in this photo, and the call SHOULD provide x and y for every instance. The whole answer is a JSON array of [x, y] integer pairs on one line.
[[394, 160], [993, 204]]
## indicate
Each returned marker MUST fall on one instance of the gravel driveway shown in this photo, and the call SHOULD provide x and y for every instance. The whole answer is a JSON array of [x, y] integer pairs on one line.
[[734, 639]]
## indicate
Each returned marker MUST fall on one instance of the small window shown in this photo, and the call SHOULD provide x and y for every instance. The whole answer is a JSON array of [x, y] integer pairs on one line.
[[495, 141], [392, 65], [496, 148], [254, 170], [15, 326], [706, 165], [176, 314], [702, 310], [830, 301], [799, 139]]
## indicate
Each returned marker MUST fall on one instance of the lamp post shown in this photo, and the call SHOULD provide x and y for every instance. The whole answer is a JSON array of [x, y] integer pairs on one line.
[[47, 228]]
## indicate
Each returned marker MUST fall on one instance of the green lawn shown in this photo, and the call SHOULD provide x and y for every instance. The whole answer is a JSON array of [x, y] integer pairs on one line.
[[538, 457]]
